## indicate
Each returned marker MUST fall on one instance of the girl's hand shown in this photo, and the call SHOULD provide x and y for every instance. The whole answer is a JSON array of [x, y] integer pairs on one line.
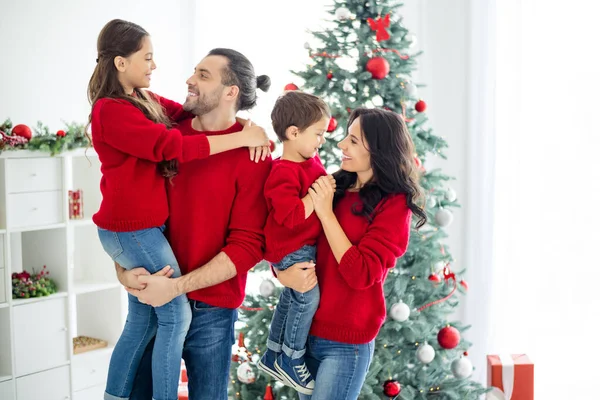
[[300, 277], [321, 192]]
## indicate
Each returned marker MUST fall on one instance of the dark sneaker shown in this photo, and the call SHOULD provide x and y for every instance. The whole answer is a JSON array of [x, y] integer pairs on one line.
[[295, 373], [267, 365]]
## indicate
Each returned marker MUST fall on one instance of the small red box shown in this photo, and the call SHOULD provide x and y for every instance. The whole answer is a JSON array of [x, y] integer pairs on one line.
[[511, 376]]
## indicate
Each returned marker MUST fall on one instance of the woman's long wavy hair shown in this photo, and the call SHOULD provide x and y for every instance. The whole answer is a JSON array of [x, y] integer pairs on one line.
[[392, 159], [120, 38]]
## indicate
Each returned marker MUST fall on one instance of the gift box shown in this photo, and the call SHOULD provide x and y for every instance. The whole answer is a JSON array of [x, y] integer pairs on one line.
[[510, 377]]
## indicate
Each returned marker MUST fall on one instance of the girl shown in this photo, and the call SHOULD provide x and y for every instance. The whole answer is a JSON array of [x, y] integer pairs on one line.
[[366, 224], [131, 135]]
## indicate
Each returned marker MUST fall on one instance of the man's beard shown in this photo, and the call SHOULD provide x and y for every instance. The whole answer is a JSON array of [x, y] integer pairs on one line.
[[203, 104]]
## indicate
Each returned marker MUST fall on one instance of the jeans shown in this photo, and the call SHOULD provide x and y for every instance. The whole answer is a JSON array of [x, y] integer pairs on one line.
[[147, 248], [340, 368], [294, 312], [207, 355]]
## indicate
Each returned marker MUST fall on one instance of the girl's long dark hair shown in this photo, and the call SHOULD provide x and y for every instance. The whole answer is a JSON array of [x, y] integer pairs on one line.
[[120, 38], [392, 159]]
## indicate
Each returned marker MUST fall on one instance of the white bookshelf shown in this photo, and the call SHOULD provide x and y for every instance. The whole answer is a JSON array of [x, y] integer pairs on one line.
[[36, 353]]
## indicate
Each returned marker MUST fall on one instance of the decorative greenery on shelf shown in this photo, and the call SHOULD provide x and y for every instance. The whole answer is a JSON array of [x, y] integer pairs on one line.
[[26, 285], [72, 137]]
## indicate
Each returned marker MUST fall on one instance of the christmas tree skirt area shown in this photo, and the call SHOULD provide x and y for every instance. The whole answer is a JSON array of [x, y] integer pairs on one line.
[[82, 344]]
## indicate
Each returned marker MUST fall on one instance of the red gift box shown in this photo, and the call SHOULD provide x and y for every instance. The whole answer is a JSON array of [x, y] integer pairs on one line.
[[510, 376]]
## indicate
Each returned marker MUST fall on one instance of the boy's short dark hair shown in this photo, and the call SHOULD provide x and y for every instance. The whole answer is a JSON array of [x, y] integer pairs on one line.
[[297, 109]]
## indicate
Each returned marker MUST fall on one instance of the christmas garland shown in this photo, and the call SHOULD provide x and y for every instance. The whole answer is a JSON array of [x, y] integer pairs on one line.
[[20, 137]]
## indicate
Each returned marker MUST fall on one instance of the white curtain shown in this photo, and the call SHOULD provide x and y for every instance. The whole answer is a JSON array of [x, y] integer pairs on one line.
[[533, 235]]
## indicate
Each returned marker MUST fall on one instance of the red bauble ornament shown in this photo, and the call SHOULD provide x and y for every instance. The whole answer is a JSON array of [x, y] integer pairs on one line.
[[22, 130], [466, 353], [420, 106], [329, 75], [378, 67], [435, 278], [271, 146], [61, 133], [332, 125], [269, 393], [449, 337], [290, 86], [391, 388], [464, 284]]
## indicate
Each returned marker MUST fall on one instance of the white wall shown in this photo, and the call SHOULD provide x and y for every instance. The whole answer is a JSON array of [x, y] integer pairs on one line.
[[48, 52]]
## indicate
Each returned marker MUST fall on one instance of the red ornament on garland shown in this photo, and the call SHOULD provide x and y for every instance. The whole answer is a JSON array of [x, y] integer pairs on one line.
[[435, 278], [379, 67], [61, 133], [448, 337], [420, 106], [290, 86], [391, 388], [329, 75], [22, 130], [332, 125], [269, 393]]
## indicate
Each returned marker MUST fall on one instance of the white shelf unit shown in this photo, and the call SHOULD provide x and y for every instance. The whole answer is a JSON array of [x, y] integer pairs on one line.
[[36, 354]]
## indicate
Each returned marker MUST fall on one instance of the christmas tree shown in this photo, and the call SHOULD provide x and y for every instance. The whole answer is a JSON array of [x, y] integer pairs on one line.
[[365, 59]]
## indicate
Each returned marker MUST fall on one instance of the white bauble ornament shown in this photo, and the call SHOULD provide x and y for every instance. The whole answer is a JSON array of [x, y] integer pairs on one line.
[[425, 353], [432, 201], [462, 368], [245, 373], [412, 39], [255, 358], [307, 46], [347, 87], [266, 288], [410, 89], [443, 217], [377, 101], [439, 266], [450, 194], [342, 13], [399, 312]]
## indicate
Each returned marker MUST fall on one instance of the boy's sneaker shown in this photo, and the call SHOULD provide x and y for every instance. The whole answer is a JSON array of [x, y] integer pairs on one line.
[[295, 373], [267, 364]]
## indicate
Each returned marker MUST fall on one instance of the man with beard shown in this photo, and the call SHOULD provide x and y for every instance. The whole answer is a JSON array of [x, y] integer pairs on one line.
[[217, 212]]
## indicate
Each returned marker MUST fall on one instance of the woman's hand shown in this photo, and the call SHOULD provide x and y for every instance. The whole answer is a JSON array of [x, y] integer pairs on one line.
[[300, 277], [321, 192]]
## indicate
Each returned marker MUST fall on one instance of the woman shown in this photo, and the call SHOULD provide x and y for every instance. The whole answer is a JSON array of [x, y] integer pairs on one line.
[[366, 224]]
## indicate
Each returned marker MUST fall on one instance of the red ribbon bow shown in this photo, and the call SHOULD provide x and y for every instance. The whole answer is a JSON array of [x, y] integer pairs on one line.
[[379, 25]]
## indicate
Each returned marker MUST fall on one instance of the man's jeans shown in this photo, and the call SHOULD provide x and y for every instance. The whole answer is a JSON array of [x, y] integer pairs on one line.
[[207, 355], [294, 312], [147, 248]]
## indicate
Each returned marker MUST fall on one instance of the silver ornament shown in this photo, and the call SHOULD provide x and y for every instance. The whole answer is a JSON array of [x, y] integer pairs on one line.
[[342, 13], [450, 194], [399, 312], [462, 368], [410, 89], [432, 201], [443, 217], [266, 288], [425, 353]]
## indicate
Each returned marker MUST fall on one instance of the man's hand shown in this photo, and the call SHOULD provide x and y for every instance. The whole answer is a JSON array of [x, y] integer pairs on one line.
[[158, 290], [129, 279]]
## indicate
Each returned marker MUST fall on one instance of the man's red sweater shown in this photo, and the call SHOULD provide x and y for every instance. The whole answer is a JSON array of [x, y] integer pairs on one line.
[[217, 204], [352, 306], [286, 229], [129, 146]]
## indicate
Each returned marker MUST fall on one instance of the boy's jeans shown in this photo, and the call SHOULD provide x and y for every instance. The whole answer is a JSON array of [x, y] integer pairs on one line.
[[294, 312]]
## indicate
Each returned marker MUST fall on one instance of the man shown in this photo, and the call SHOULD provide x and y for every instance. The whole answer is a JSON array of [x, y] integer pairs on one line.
[[217, 212]]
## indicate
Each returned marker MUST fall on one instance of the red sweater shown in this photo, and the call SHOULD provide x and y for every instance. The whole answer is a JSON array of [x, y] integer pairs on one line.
[[352, 306], [215, 205], [129, 147], [286, 229]]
